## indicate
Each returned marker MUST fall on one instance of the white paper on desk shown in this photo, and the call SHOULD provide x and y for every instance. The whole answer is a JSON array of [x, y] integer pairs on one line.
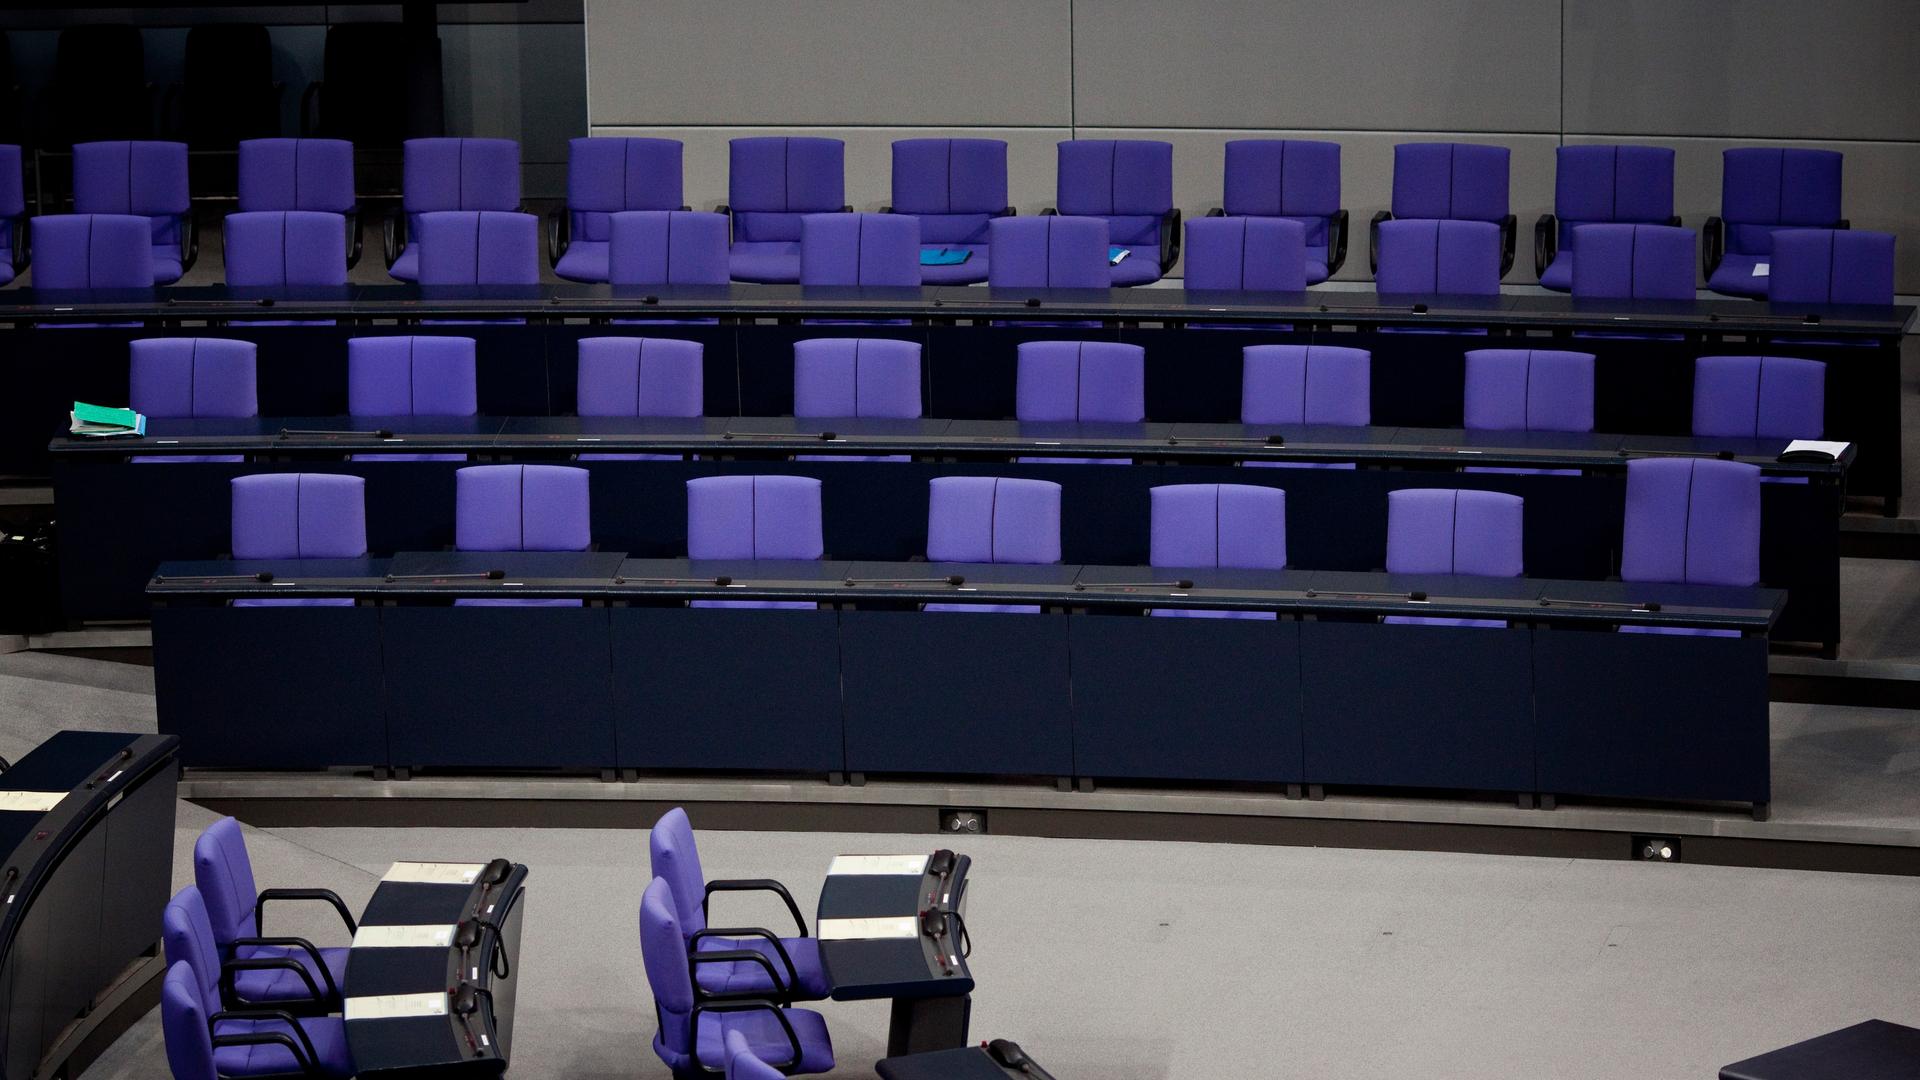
[[395, 1006], [32, 802], [403, 937], [892, 865], [904, 926], [1762, 269], [1832, 448], [434, 873]]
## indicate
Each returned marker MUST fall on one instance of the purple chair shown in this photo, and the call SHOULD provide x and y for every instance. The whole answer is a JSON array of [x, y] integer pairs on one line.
[[92, 251], [1306, 384], [856, 377], [667, 247], [188, 378], [1529, 390], [1049, 252], [1210, 525], [1694, 521], [1293, 180], [299, 516], [1426, 256], [144, 179], [1759, 397], [1599, 185], [1128, 182], [411, 376], [1247, 254], [300, 174], [1831, 266], [1764, 189], [754, 517], [991, 519], [639, 376], [13, 215], [792, 971], [449, 174], [478, 247], [269, 972], [772, 182], [1099, 381], [608, 176], [859, 249], [285, 248], [1448, 531], [521, 508], [1450, 182], [1633, 262], [955, 187], [693, 1031], [744, 1064]]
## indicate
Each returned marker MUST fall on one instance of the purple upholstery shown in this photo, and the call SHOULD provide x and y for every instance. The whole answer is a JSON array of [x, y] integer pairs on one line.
[[754, 517], [1292, 179], [1831, 266], [479, 247], [989, 519], [1439, 256], [189, 998], [856, 377], [521, 508], [1129, 182], [1633, 262], [1692, 520], [1764, 397], [1247, 254], [223, 876], [954, 186], [1050, 252], [299, 516], [772, 181], [606, 176], [411, 376], [92, 251], [296, 174], [1081, 380], [1596, 185], [1444, 531], [186, 377], [661, 247], [859, 249], [280, 248], [743, 1063], [1207, 525], [1763, 189], [1529, 390], [640, 376], [453, 174], [1305, 384], [13, 206], [1460, 181], [145, 179]]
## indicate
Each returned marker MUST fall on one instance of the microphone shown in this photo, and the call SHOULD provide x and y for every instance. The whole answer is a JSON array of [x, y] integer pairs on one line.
[[477, 575], [1008, 1055], [1416, 596], [1183, 583], [1255, 440], [823, 436], [1723, 455], [263, 577], [315, 433], [495, 872], [950, 579], [1602, 605], [722, 581]]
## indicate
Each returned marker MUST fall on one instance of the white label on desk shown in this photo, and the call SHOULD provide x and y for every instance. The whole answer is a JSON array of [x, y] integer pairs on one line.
[[35, 802], [403, 937], [892, 865], [1833, 449], [435, 873], [904, 926], [1762, 269], [395, 1006]]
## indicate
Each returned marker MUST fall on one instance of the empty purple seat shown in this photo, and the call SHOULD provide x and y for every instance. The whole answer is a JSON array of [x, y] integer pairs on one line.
[[1694, 521], [449, 174], [521, 508], [1128, 182], [285, 248], [187, 378], [1081, 381], [772, 182], [1633, 262], [479, 247], [1292, 180], [743, 1063], [1246, 254], [1448, 531], [991, 519], [1831, 266], [1211, 525], [1529, 390], [1759, 397], [1599, 185], [606, 176], [1049, 252], [300, 174], [639, 376], [661, 247], [1450, 182], [1426, 256], [279, 972], [299, 516], [856, 377], [1764, 189], [1306, 384], [407, 375], [859, 249], [92, 251], [754, 517], [148, 180], [13, 215], [955, 187]]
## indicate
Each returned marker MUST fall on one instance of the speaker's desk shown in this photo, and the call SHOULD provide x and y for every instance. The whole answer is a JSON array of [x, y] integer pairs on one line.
[[893, 926]]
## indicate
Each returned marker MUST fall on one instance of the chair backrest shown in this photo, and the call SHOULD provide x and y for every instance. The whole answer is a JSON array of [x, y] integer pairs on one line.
[[1127, 181], [992, 519], [954, 186], [92, 251], [1050, 252], [874, 377], [1692, 520], [754, 517], [13, 192], [1831, 266], [280, 248], [1081, 380], [184, 1015], [1595, 185], [297, 174], [140, 177], [460, 174], [371, 112], [773, 180], [1462, 181], [187, 937], [479, 247], [98, 90], [1529, 390], [411, 376], [1439, 256], [1633, 262], [743, 1063], [224, 877], [1288, 178], [299, 516], [227, 84], [188, 377], [1763, 188], [1234, 525], [667, 247], [1255, 254], [521, 508], [663, 947], [607, 175], [674, 858], [1306, 384], [640, 376], [1759, 397], [1448, 531], [859, 249]]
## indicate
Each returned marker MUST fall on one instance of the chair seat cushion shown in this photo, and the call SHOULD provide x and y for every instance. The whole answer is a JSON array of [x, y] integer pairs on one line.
[[1734, 276], [166, 459], [408, 457], [407, 266], [1414, 620], [768, 262], [480, 601], [971, 272], [318, 601], [327, 1033], [1000, 609], [283, 985], [747, 975], [1316, 264], [1140, 268], [767, 1039], [585, 260], [1679, 631], [756, 605], [1208, 613], [166, 264], [1559, 275]]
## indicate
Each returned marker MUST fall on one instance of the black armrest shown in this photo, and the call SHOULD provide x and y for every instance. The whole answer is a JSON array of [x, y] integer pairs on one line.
[[1050, 212], [1005, 211], [793, 974], [886, 210], [1674, 221], [793, 1039], [1546, 243], [726, 211], [1373, 240], [230, 994], [1169, 240], [1713, 244], [308, 1066], [306, 1041], [324, 895], [308, 125], [559, 234], [303, 945], [1843, 223], [754, 885], [353, 237], [22, 245], [695, 959], [190, 240], [1336, 241], [393, 235], [1509, 234], [1218, 211], [847, 208]]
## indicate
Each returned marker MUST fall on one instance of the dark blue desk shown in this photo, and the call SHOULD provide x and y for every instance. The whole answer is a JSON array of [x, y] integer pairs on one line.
[[1872, 1050], [963, 1063], [892, 926]]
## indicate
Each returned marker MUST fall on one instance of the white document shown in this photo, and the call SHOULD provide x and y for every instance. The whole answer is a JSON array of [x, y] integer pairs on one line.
[[1835, 449], [32, 802], [435, 873], [892, 865], [403, 937], [1762, 269], [904, 926], [395, 1006]]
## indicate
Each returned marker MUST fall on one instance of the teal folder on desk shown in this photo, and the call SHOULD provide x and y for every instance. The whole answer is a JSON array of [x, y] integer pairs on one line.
[[944, 256]]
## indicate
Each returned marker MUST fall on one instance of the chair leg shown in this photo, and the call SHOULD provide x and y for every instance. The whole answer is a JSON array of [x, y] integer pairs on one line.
[[1525, 799], [1762, 811], [1084, 783], [1548, 800], [1316, 792], [1293, 791]]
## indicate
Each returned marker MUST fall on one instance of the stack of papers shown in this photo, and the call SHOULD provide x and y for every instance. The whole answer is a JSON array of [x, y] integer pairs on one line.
[[1813, 450], [1117, 255], [101, 422]]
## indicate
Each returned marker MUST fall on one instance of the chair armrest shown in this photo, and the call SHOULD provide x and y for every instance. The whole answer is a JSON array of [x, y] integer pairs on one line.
[[327, 896], [1169, 240], [695, 959], [761, 1005], [393, 235], [1713, 244], [846, 208], [886, 210], [1216, 211], [303, 945], [231, 995], [1674, 221], [559, 235], [1509, 230], [308, 1066], [281, 1015], [190, 240], [22, 245], [1546, 243], [727, 212], [1336, 241], [1843, 223], [308, 125], [1373, 240], [793, 974], [353, 237], [754, 885]]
